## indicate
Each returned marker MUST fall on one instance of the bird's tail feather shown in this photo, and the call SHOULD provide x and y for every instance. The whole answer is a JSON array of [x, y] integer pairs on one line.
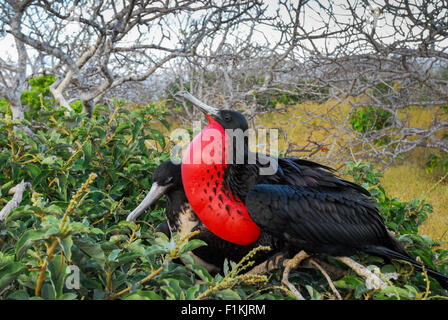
[[388, 253]]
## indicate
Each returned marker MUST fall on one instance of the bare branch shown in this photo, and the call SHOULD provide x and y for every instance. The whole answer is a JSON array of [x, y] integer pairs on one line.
[[18, 191]]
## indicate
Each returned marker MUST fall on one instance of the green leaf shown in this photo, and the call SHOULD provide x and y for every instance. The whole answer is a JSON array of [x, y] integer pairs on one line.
[[78, 227], [27, 240], [66, 244], [123, 126], [407, 292], [137, 126], [68, 296], [100, 107], [158, 136], [114, 254], [143, 295], [98, 131], [9, 272], [126, 258], [92, 249], [173, 289], [5, 188], [49, 160], [226, 267], [192, 292], [314, 294], [47, 292], [58, 273], [32, 169], [187, 258], [88, 150], [62, 186], [228, 294], [18, 295], [201, 272], [349, 282], [191, 245]]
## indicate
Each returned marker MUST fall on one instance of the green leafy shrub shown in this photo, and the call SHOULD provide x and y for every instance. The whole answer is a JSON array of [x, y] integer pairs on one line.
[[437, 161], [367, 119], [39, 95]]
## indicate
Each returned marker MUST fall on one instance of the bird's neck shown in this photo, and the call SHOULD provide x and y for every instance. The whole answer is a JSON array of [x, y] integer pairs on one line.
[[240, 178], [176, 199]]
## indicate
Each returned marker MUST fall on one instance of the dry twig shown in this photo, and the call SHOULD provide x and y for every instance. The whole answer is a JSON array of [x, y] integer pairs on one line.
[[18, 191]]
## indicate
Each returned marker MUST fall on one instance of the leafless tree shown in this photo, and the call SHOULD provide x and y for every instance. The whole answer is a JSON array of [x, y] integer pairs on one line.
[[382, 57], [95, 46], [13, 73], [394, 57]]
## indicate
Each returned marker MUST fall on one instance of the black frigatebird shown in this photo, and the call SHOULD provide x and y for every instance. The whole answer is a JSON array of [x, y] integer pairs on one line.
[[303, 203], [183, 220]]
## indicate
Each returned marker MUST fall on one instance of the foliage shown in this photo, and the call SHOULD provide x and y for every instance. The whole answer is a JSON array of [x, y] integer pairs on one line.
[[4, 106], [367, 119], [437, 161], [39, 95], [402, 217]]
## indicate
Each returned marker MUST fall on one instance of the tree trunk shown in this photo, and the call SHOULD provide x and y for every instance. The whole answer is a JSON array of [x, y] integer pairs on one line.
[[18, 114], [87, 107], [17, 111]]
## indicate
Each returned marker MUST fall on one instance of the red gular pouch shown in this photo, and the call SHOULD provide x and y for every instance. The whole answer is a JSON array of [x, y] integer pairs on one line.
[[203, 166]]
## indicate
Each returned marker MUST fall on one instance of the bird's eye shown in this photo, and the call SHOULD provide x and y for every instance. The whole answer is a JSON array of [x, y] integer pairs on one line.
[[168, 180], [228, 117]]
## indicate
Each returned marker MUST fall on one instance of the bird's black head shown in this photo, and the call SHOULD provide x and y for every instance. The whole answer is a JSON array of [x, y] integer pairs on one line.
[[228, 119], [167, 175]]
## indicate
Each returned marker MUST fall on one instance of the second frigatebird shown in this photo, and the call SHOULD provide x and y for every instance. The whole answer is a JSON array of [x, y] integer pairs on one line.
[[302, 203]]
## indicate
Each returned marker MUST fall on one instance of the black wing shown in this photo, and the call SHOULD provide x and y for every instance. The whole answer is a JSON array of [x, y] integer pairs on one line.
[[307, 173], [324, 220], [240, 178]]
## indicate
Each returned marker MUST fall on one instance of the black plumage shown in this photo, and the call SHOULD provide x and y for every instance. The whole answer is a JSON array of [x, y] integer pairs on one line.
[[308, 206]]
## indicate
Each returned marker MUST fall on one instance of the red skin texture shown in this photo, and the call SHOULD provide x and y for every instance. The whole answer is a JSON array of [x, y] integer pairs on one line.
[[202, 177]]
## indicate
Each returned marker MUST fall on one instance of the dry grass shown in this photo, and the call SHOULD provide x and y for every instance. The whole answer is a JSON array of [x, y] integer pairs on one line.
[[309, 121], [409, 180]]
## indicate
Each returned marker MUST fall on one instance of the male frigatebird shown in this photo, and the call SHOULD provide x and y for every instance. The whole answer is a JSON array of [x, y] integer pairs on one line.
[[302, 203], [182, 220]]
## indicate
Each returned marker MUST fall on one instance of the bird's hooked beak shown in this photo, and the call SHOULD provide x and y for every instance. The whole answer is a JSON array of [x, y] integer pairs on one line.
[[153, 195], [210, 112]]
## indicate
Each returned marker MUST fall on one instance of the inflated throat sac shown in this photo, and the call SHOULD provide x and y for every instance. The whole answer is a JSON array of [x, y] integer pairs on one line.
[[203, 166]]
